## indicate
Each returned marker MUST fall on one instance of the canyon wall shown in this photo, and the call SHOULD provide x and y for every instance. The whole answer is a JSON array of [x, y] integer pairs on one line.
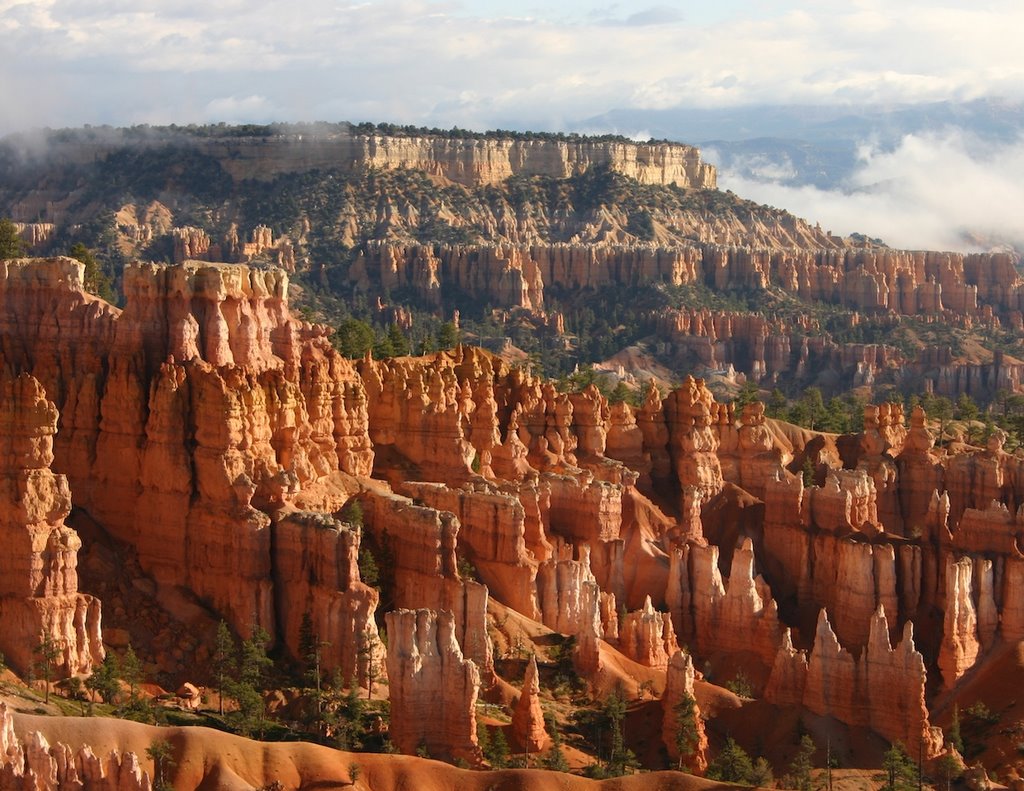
[[189, 417], [221, 438], [41, 610]]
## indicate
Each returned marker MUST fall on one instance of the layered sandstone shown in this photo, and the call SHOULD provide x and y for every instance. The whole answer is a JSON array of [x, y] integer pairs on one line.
[[39, 598], [883, 690], [469, 161], [421, 546], [316, 562], [528, 728], [189, 415], [679, 684], [33, 764], [646, 636], [739, 618], [433, 688]]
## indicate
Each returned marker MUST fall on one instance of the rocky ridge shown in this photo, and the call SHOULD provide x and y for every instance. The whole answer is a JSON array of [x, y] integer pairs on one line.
[[225, 441]]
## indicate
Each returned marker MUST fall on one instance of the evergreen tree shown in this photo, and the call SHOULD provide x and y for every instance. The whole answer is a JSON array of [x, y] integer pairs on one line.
[[732, 765], [808, 472], [95, 279], [497, 749], [161, 754], [397, 341], [48, 652], [447, 336], [223, 661], [354, 338], [76, 691], [777, 404], [800, 769], [247, 689], [813, 407], [615, 713], [762, 775], [939, 408], [686, 729], [950, 768], [105, 680], [748, 394], [954, 731], [11, 243], [900, 771], [555, 759], [131, 672], [966, 408]]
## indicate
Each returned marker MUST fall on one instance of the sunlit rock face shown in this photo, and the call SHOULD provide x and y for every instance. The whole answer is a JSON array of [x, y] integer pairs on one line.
[[39, 598]]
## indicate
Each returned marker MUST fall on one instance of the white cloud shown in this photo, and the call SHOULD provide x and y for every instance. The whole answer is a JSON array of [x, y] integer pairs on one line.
[[412, 59], [240, 108], [941, 191], [486, 63]]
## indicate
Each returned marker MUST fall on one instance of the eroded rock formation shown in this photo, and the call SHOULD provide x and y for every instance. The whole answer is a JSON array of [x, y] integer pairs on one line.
[[433, 688], [189, 415], [35, 765], [528, 728], [39, 598], [679, 684], [884, 689]]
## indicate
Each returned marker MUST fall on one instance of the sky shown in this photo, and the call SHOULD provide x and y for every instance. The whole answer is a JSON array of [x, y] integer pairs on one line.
[[485, 63], [516, 64]]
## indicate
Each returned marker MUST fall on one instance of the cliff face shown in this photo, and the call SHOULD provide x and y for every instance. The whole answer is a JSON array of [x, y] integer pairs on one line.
[[189, 415], [39, 598], [433, 688], [35, 765], [221, 438], [461, 160]]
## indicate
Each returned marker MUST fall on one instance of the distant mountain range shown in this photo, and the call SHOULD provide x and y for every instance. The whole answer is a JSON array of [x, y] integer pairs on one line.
[[810, 145]]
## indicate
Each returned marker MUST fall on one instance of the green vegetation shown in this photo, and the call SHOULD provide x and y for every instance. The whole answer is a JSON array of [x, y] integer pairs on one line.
[[96, 280], [105, 679], [161, 754], [975, 728], [47, 652], [803, 763], [740, 685], [901, 773], [11, 244], [732, 765], [686, 736]]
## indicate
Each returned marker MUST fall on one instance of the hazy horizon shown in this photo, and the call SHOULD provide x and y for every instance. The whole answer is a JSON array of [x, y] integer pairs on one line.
[[489, 64]]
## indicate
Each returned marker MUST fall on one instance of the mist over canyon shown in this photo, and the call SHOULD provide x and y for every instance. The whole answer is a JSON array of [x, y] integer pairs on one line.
[[536, 458]]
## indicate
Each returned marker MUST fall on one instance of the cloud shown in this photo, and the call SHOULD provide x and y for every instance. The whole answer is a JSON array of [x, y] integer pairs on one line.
[[241, 108], [946, 190], [417, 61]]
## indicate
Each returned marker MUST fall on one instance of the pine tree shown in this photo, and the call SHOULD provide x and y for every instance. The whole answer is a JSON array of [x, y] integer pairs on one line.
[[95, 279], [160, 753], [954, 730], [686, 728], [223, 661], [11, 243], [762, 775], [397, 340], [48, 652], [800, 769], [447, 336], [131, 671], [497, 752], [248, 688], [900, 771], [105, 680], [732, 765]]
